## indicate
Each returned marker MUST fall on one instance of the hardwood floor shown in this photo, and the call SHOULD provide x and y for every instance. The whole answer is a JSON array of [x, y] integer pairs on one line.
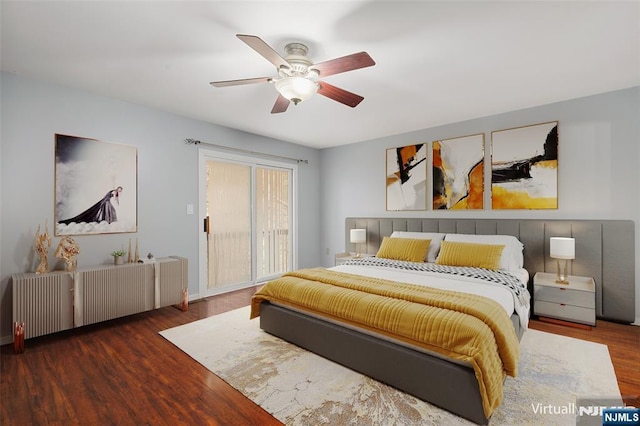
[[123, 372]]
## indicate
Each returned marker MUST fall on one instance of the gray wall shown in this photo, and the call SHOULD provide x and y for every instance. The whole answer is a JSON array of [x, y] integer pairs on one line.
[[32, 112], [599, 158]]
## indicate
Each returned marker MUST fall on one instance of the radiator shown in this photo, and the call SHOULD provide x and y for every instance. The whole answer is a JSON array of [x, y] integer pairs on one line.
[[43, 302], [56, 301]]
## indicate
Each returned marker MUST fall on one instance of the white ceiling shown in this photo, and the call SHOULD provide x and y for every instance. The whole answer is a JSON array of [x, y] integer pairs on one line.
[[436, 62]]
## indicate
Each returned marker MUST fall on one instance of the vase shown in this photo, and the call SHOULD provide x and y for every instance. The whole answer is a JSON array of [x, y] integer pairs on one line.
[[71, 264], [118, 260]]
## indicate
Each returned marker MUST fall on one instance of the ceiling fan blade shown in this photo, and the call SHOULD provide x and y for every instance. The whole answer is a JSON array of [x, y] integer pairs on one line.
[[241, 82], [281, 105], [257, 44], [338, 94], [343, 64]]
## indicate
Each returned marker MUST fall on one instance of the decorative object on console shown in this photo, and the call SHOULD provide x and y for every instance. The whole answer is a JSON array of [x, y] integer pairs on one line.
[[149, 259], [184, 306], [458, 173], [18, 337], [68, 250], [564, 249], [407, 178], [118, 257], [96, 186], [42, 244], [524, 167], [357, 236]]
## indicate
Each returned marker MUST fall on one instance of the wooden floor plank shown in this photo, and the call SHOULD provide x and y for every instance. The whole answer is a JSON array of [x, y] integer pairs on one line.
[[123, 372]]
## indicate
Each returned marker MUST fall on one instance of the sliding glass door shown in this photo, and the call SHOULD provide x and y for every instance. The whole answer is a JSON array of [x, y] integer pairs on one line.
[[247, 211], [273, 220], [228, 224]]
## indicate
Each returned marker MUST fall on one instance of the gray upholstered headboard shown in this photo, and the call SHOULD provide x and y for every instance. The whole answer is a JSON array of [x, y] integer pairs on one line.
[[605, 249]]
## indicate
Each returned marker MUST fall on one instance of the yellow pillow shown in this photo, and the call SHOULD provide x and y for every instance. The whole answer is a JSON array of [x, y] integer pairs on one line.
[[470, 254], [409, 249]]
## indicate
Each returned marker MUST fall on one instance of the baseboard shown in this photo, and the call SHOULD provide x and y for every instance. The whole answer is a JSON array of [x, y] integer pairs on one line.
[[637, 321], [5, 340]]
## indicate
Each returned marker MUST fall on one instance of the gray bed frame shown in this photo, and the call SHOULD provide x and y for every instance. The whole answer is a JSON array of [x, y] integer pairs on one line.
[[604, 250]]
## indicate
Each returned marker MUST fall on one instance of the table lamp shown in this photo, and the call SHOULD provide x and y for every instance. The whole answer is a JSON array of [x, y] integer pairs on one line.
[[358, 236], [562, 249]]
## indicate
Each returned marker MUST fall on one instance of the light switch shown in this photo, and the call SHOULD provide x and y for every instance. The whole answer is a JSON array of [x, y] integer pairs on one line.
[[189, 208]]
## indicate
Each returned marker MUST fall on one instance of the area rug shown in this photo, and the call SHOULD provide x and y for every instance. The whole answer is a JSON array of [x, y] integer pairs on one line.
[[300, 388]]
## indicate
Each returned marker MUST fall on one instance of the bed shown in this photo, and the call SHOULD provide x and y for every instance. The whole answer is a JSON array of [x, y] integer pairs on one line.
[[604, 250], [448, 317]]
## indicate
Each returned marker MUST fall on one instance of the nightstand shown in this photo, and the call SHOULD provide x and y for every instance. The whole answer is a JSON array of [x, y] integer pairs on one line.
[[343, 257], [574, 302]]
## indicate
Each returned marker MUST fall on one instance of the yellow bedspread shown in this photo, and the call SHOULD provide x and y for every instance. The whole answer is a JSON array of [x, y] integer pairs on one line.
[[461, 326]]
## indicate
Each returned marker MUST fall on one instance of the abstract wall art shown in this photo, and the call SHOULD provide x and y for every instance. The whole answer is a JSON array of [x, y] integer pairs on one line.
[[407, 177], [524, 167], [458, 173], [95, 186]]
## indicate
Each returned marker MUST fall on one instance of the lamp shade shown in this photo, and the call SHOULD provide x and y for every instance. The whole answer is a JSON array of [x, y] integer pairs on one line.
[[358, 235], [562, 248], [296, 89]]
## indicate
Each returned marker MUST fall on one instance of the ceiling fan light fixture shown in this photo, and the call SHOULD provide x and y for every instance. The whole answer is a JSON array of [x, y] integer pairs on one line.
[[296, 89], [298, 76]]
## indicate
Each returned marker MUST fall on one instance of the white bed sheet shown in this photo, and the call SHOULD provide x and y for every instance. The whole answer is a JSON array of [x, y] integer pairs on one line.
[[463, 284]]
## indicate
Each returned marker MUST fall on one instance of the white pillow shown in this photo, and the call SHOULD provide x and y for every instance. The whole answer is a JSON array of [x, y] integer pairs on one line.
[[434, 245], [512, 258]]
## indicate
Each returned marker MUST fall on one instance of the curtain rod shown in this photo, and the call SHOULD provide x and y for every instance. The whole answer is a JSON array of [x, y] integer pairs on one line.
[[197, 142]]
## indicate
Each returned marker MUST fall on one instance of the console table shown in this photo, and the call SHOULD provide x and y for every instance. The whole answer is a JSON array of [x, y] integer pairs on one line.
[[61, 300]]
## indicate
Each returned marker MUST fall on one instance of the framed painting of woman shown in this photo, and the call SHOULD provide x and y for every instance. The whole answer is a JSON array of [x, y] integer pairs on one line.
[[95, 186]]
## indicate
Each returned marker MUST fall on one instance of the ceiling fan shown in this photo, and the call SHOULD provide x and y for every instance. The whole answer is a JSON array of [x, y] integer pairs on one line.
[[298, 77]]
